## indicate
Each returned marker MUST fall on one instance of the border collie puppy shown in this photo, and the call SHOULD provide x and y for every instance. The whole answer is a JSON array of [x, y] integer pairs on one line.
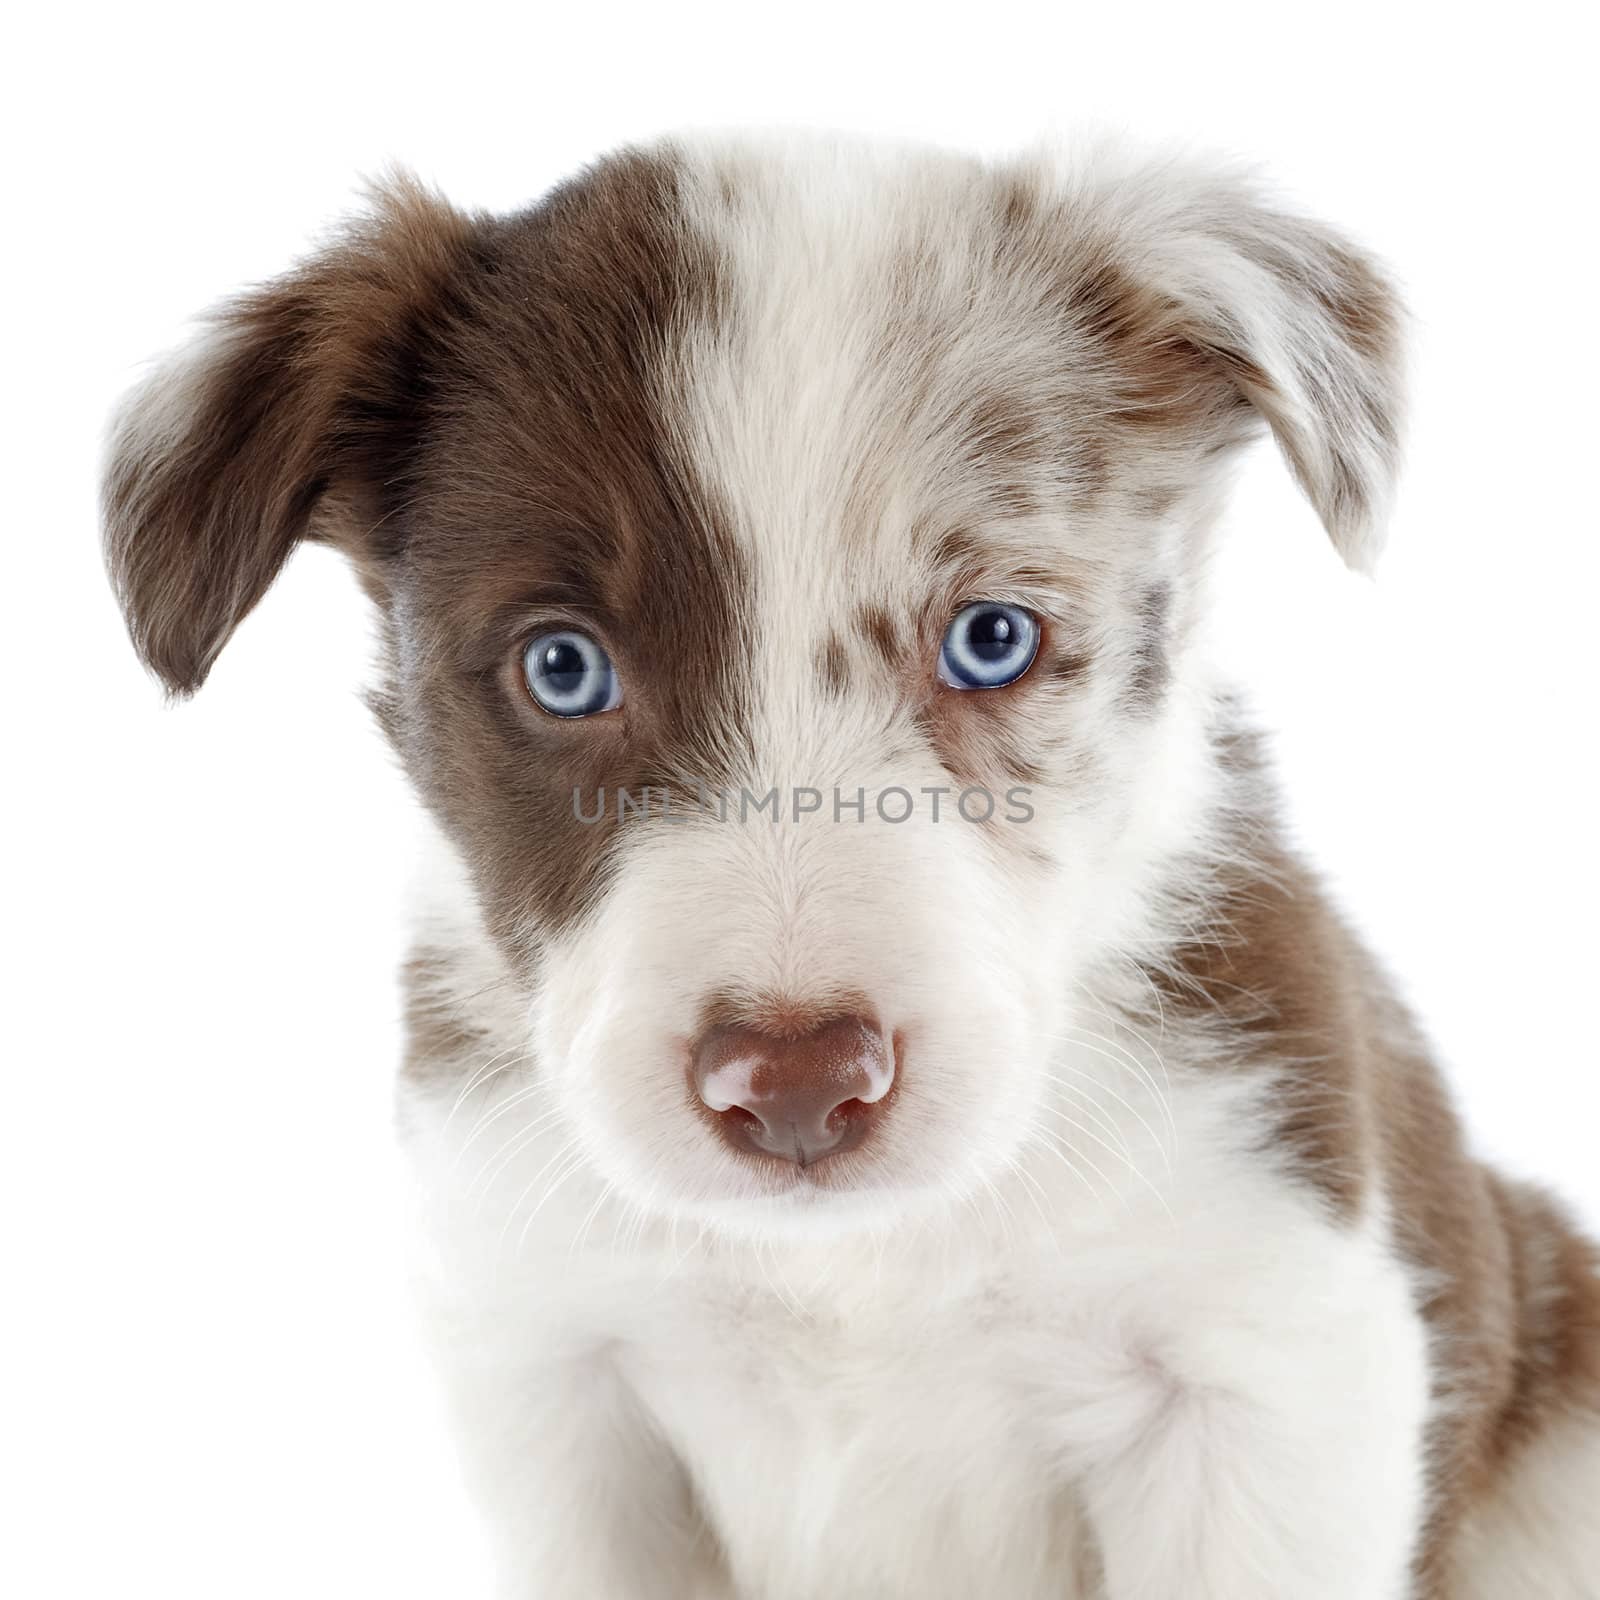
[[892, 1117]]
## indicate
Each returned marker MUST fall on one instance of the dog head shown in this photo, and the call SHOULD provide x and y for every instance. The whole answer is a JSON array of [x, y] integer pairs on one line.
[[789, 561]]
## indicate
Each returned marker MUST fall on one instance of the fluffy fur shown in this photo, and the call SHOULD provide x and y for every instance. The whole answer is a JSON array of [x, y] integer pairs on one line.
[[1166, 1272]]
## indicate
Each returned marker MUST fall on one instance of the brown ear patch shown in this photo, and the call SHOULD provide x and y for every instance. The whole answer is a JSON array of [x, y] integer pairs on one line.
[[1160, 381], [1311, 332], [1204, 309], [220, 460]]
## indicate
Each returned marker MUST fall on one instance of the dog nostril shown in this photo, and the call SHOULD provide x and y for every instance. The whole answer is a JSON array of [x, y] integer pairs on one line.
[[795, 1098], [745, 1124]]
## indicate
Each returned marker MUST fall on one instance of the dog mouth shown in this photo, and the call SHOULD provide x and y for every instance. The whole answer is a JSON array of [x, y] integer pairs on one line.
[[840, 1196]]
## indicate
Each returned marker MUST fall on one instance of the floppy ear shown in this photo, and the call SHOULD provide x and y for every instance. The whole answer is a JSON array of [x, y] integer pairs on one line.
[[1304, 326], [300, 390]]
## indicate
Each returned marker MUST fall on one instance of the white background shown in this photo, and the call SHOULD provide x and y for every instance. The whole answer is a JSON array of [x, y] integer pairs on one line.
[[216, 1388]]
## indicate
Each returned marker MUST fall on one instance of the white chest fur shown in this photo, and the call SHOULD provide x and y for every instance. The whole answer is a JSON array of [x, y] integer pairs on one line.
[[981, 1403], [840, 1448]]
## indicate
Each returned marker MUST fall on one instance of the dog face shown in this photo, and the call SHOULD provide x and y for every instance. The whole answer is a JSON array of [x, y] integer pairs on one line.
[[789, 559]]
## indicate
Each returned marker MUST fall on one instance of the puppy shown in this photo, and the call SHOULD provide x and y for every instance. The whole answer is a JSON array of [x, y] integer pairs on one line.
[[892, 1117]]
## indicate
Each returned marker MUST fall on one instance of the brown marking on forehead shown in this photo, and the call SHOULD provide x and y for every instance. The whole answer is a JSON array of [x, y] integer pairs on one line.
[[1093, 467], [1015, 200], [1003, 427], [967, 565], [833, 665], [952, 550], [1153, 500], [1006, 441], [962, 566], [879, 628], [996, 429], [551, 491]]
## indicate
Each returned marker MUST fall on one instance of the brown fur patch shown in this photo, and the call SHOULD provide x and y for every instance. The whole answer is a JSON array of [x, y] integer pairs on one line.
[[556, 496], [1006, 439], [441, 1039], [1151, 664], [306, 387], [881, 631], [470, 407], [833, 665], [1063, 663], [1513, 1292]]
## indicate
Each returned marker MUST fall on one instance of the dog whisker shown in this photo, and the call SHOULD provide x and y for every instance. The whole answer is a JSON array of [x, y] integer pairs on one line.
[[1119, 1055], [606, 1191], [500, 1061], [1085, 1096], [506, 1154], [1053, 1146], [575, 1164], [1132, 1166], [561, 1154], [1159, 1141]]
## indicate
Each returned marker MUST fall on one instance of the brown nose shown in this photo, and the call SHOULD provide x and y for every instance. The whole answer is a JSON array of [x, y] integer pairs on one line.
[[794, 1098]]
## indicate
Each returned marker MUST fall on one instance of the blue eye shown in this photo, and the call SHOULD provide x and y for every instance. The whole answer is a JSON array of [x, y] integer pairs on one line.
[[988, 646], [570, 675]]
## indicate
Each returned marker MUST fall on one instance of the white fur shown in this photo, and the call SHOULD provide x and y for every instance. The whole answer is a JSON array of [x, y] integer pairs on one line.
[[1163, 1342]]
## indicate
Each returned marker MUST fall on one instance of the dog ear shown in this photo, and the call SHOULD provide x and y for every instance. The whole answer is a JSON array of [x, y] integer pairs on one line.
[[296, 394], [1303, 325]]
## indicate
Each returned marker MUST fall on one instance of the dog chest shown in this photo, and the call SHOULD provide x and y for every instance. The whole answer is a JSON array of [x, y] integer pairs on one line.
[[868, 1453]]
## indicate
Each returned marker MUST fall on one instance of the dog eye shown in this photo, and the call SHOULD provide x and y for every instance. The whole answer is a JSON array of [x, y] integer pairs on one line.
[[570, 675], [988, 646]]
